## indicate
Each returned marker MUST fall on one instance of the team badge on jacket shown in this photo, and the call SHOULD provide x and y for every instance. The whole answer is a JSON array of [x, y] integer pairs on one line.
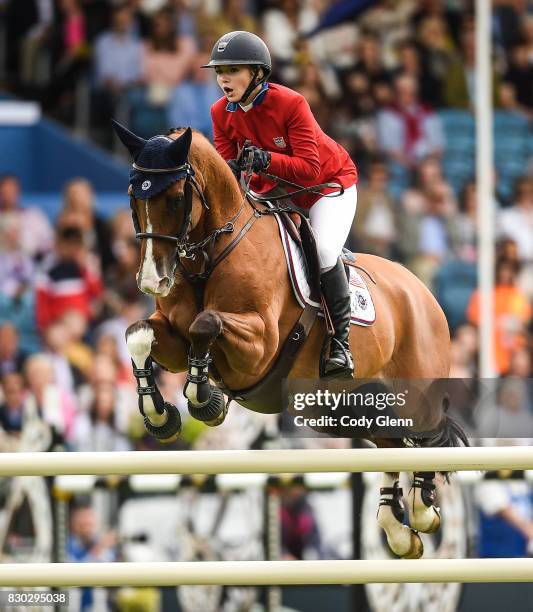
[[279, 141]]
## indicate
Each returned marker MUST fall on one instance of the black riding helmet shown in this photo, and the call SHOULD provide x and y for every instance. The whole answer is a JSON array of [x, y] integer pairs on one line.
[[242, 48]]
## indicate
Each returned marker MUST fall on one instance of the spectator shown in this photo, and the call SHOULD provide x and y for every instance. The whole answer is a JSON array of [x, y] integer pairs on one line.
[[79, 206], [47, 400], [370, 61], [167, 58], [104, 372], [520, 75], [509, 101], [437, 52], [282, 27], [36, 234], [234, 15], [417, 199], [80, 354], [409, 131], [117, 63], [85, 544], [467, 223], [11, 356], [510, 417], [16, 266], [69, 280], [527, 28], [56, 341], [300, 538], [512, 313], [516, 222], [28, 26], [70, 58], [506, 516], [96, 430], [390, 21], [374, 227], [12, 406], [435, 234], [411, 62], [460, 78], [191, 100]]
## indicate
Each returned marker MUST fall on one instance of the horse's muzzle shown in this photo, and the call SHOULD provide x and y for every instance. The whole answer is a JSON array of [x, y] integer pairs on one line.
[[155, 287]]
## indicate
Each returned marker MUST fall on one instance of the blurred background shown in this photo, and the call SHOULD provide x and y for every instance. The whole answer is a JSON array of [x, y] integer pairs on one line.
[[394, 82]]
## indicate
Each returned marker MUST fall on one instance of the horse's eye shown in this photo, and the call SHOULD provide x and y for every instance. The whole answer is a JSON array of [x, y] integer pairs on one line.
[[174, 202]]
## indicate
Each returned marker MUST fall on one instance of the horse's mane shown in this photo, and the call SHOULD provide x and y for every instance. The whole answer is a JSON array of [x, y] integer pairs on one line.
[[202, 153]]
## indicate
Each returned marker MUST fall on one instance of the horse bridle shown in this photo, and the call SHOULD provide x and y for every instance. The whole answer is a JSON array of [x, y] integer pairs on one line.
[[190, 182]]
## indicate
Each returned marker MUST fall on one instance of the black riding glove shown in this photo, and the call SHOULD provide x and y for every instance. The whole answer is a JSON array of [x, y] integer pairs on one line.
[[261, 158]]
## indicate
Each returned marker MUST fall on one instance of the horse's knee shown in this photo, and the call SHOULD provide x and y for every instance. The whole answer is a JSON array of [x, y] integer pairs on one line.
[[139, 339], [204, 329]]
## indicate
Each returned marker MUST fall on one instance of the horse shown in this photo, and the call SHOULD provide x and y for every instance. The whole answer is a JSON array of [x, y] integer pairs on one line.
[[224, 309]]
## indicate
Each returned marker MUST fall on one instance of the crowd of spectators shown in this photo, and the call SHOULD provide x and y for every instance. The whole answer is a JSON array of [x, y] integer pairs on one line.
[[396, 87]]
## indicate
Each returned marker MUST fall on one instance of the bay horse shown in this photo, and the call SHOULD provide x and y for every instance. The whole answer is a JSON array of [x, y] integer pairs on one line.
[[224, 309]]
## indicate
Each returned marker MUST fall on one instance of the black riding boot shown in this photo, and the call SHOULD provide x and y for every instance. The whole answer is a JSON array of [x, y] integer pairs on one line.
[[337, 295]]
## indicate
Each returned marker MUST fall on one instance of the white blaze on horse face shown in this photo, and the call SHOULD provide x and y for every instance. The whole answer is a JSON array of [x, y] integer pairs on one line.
[[151, 281]]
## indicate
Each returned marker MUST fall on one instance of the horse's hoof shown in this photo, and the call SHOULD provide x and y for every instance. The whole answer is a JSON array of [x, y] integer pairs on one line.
[[171, 428], [212, 410], [417, 547], [434, 522], [221, 417]]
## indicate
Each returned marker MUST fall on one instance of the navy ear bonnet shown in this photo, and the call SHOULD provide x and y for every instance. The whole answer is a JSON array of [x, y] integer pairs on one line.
[[157, 162]]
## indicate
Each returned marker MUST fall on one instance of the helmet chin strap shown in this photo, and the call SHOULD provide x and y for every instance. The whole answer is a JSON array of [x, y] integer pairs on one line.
[[253, 84]]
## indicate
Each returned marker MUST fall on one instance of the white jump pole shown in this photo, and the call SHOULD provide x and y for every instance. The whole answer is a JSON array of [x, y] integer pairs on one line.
[[259, 573], [267, 461]]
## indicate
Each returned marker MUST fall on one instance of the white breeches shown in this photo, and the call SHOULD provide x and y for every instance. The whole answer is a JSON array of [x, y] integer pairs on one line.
[[331, 220]]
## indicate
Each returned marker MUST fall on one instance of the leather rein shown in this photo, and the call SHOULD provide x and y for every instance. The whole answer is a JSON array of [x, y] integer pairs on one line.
[[206, 246]]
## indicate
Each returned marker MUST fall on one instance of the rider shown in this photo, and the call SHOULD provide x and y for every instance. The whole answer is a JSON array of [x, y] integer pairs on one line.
[[286, 141]]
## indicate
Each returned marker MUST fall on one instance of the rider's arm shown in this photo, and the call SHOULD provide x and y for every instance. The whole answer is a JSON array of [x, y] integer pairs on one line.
[[304, 164], [226, 147]]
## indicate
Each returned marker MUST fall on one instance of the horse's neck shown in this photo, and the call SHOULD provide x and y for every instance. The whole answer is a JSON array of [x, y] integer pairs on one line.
[[225, 200]]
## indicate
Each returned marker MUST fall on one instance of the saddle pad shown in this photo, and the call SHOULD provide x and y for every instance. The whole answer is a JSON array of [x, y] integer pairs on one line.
[[363, 311]]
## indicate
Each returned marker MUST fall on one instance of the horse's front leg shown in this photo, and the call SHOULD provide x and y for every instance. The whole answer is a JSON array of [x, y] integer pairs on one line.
[[402, 540], [424, 516], [241, 338], [155, 338]]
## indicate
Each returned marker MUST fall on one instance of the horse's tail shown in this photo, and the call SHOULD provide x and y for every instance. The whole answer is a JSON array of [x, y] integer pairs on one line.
[[450, 432]]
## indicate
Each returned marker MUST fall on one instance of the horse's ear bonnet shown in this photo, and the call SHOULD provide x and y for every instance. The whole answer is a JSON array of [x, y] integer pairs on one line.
[[157, 162]]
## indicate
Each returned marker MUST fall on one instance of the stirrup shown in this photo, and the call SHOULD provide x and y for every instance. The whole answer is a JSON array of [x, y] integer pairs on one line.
[[338, 370]]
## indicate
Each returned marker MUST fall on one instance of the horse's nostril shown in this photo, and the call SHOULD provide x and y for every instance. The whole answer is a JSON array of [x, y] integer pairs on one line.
[[164, 284]]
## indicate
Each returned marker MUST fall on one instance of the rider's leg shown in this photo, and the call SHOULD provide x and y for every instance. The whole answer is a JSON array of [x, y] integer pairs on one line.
[[331, 219]]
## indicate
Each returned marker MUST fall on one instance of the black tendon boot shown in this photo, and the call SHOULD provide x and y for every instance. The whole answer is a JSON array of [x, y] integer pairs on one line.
[[337, 295]]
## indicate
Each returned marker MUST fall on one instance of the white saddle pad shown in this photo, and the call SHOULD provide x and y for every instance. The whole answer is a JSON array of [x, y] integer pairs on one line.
[[363, 311]]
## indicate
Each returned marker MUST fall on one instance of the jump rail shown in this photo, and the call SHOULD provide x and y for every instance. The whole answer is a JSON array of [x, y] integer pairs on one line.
[[257, 573], [267, 461]]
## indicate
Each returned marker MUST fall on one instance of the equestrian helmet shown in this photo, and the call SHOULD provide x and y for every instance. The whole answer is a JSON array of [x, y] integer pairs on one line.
[[240, 48]]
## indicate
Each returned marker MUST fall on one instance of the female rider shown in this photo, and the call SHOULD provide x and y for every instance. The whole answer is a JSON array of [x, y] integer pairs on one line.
[[287, 141]]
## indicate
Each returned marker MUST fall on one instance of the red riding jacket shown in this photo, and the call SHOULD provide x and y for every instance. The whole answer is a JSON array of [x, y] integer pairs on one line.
[[280, 121]]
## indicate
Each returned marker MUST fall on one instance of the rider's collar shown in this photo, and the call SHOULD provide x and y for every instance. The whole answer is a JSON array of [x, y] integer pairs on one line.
[[233, 106]]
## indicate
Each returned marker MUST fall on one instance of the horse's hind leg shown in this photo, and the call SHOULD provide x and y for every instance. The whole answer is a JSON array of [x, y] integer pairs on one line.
[[161, 418], [424, 516], [402, 540]]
